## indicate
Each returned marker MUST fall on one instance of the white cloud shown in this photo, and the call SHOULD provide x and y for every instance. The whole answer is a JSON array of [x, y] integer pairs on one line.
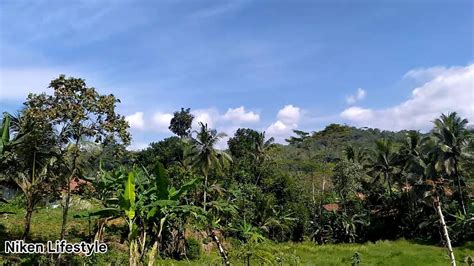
[[287, 120], [447, 90], [426, 74], [136, 120], [357, 114], [239, 115], [289, 114], [137, 146], [161, 121], [206, 116], [278, 129], [360, 95]]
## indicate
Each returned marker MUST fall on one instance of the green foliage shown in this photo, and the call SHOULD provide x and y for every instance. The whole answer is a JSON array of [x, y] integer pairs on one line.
[[355, 259], [203, 156], [181, 122], [301, 136], [5, 130], [347, 176], [338, 185], [169, 152], [194, 249]]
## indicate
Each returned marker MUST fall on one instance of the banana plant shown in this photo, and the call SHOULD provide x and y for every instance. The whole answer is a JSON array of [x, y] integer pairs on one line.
[[128, 205], [146, 202], [4, 138], [32, 186], [5, 131], [163, 203], [124, 206]]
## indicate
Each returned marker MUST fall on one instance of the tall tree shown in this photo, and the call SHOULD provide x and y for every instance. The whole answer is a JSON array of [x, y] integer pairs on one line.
[[300, 137], [384, 162], [250, 150], [78, 112], [204, 157], [181, 122], [345, 179], [355, 155], [34, 155], [452, 136], [260, 152], [242, 143]]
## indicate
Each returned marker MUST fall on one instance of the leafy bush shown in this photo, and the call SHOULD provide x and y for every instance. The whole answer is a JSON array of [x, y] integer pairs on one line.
[[193, 248]]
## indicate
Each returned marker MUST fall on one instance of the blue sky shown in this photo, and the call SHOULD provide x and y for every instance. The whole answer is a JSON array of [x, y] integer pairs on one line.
[[269, 65]]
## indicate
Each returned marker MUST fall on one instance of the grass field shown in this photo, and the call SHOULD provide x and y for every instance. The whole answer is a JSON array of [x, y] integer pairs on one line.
[[46, 224]]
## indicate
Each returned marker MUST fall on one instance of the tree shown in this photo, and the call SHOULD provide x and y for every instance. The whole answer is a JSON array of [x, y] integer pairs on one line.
[[385, 161], [250, 149], [78, 112], [355, 155], [260, 152], [452, 136], [204, 157], [345, 179], [433, 188], [242, 143], [34, 157], [181, 122], [301, 136], [168, 151]]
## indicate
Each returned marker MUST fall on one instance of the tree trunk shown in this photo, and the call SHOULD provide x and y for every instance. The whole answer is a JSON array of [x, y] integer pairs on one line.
[[321, 198], [445, 230], [66, 208], [461, 197], [387, 178], [29, 213], [68, 190], [205, 193], [221, 249], [30, 201], [64, 218]]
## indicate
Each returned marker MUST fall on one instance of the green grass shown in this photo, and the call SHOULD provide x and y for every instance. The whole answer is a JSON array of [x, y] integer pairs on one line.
[[400, 252], [46, 226]]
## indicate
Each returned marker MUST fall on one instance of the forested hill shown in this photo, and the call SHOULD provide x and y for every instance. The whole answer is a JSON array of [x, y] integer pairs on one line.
[[334, 138]]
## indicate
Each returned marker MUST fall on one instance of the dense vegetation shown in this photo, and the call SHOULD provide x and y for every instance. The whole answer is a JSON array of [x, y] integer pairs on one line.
[[182, 195]]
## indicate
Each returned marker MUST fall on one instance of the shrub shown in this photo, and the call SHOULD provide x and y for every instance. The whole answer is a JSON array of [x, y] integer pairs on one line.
[[193, 248]]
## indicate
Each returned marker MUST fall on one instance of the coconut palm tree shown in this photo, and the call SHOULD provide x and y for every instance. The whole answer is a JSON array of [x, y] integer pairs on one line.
[[355, 154], [452, 137], [385, 162], [260, 152], [204, 157], [33, 156]]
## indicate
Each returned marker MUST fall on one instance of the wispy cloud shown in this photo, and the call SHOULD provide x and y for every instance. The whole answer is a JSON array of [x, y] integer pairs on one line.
[[448, 90], [222, 7], [358, 96]]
